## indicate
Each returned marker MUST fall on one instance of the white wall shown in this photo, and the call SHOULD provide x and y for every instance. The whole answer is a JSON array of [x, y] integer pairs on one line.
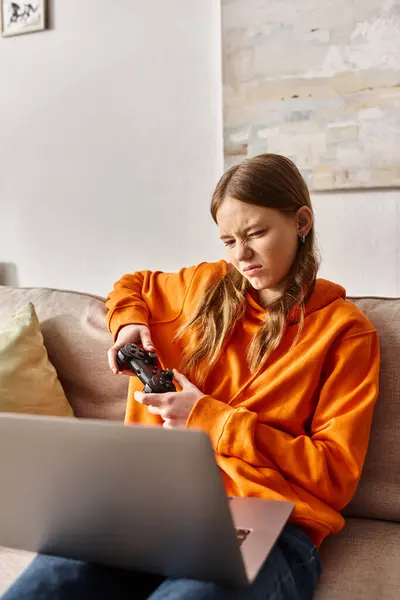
[[110, 145], [110, 141], [358, 236]]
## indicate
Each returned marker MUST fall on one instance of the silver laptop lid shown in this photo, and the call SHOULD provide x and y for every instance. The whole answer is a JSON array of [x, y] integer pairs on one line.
[[138, 497]]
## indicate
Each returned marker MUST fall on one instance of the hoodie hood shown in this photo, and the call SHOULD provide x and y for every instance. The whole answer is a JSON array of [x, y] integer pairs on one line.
[[324, 293]]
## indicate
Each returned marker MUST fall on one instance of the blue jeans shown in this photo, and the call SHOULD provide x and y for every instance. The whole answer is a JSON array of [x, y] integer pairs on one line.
[[290, 572]]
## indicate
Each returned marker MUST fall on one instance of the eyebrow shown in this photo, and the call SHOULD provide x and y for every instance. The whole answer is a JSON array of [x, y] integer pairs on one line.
[[246, 230]]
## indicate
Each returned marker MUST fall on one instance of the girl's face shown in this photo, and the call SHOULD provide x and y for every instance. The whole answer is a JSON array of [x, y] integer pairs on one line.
[[262, 243]]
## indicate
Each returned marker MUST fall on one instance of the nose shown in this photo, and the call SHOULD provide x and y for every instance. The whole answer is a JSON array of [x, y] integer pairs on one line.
[[243, 252]]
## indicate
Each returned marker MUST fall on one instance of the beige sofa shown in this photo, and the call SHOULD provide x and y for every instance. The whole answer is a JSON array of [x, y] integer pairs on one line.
[[363, 561]]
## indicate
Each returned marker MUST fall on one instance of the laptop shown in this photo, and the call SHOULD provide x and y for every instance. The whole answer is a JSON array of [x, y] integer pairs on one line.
[[136, 497]]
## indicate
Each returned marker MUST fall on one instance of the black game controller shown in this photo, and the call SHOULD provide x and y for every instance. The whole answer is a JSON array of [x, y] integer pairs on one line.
[[145, 366]]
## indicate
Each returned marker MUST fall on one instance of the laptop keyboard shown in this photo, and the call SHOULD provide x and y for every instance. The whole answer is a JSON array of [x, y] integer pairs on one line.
[[241, 535]]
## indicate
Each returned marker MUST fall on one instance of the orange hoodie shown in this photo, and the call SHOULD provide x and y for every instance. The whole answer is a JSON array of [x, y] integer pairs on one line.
[[298, 428]]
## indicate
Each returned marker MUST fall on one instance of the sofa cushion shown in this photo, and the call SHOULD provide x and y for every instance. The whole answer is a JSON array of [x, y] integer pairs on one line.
[[378, 494], [28, 380], [77, 340], [362, 561]]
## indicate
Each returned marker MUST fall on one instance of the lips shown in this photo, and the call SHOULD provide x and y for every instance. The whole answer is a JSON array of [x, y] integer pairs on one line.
[[252, 269]]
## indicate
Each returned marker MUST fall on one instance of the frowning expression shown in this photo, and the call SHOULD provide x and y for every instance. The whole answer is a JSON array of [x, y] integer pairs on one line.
[[261, 243]]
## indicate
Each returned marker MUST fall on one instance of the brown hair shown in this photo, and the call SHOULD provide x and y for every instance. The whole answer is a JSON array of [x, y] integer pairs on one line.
[[272, 181]]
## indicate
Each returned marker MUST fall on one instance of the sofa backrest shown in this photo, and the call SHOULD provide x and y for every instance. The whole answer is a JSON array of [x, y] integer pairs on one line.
[[378, 494], [77, 341]]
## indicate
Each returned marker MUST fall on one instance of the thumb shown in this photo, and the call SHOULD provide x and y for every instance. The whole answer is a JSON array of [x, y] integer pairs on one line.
[[181, 379], [112, 357], [146, 340]]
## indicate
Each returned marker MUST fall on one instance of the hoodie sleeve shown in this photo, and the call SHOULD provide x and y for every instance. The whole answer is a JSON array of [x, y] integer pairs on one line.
[[328, 462], [146, 297]]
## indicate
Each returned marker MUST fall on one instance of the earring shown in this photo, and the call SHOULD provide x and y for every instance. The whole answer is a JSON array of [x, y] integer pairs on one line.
[[302, 238]]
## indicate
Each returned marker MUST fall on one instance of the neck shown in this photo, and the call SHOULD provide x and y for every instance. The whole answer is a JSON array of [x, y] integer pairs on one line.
[[269, 296]]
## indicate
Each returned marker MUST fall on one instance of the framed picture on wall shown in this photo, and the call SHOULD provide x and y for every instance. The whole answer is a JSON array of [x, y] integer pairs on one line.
[[22, 16]]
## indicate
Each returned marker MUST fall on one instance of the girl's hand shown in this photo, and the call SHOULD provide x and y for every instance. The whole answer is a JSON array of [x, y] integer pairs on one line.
[[130, 334], [173, 407]]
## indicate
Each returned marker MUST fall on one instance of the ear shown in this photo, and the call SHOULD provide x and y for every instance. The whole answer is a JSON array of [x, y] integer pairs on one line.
[[305, 221]]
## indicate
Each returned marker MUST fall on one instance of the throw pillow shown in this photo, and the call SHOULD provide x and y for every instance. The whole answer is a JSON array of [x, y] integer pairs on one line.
[[28, 380]]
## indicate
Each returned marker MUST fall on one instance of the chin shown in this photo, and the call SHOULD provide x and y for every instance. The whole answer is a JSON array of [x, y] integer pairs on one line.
[[259, 284]]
